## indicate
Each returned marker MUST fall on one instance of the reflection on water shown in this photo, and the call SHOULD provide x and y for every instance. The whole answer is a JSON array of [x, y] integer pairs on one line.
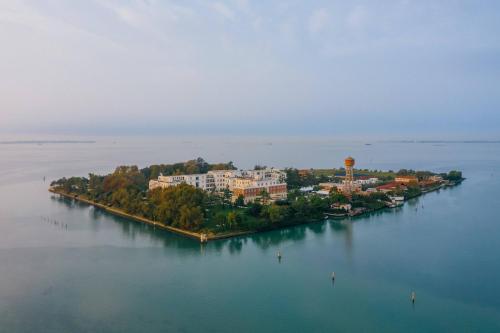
[[345, 228], [264, 240], [106, 273]]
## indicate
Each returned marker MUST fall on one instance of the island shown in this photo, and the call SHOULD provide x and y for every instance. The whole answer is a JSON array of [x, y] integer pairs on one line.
[[212, 201]]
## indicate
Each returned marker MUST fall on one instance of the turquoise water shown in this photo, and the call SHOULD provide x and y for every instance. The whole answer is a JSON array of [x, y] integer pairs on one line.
[[106, 274]]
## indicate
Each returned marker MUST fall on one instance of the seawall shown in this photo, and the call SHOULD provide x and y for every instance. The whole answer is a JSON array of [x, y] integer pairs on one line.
[[119, 212]]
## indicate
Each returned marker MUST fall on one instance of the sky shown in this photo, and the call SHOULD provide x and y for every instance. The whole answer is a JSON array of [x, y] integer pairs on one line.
[[383, 68]]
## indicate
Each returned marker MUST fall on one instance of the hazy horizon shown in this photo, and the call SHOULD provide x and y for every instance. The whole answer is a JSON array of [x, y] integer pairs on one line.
[[390, 69]]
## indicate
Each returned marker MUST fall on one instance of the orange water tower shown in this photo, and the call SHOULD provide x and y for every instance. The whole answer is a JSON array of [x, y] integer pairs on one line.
[[349, 167], [349, 176]]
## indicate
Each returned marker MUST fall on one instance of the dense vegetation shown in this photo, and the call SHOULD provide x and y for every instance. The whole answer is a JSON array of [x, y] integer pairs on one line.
[[189, 208], [190, 167], [453, 175], [296, 179], [193, 209]]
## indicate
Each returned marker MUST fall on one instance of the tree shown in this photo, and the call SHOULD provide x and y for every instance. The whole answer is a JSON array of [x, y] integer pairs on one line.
[[240, 201], [95, 187], [292, 178], [337, 197], [295, 180], [301, 208], [233, 220], [254, 209], [190, 218], [454, 175], [226, 196], [318, 204], [402, 172], [179, 205], [220, 218], [275, 213], [265, 196]]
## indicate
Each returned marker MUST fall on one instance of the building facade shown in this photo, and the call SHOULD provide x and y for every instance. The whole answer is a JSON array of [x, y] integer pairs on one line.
[[406, 179], [248, 183]]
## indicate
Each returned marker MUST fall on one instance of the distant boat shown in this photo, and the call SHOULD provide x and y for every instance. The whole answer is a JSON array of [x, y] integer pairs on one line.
[[368, 144]]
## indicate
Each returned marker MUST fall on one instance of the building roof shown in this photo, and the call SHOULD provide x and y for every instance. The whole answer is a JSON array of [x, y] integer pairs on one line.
[[389, 186], [407, 177]]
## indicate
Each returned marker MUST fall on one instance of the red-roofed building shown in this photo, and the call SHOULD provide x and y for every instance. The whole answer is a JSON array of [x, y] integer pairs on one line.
[[391, 187], [406, 179]]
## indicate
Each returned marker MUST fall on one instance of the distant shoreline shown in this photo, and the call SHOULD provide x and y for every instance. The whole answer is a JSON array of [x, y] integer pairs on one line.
[[441, 141], [41, 142]]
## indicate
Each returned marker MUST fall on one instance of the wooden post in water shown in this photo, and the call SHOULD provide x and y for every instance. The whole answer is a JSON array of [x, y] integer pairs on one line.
[[203, 238]]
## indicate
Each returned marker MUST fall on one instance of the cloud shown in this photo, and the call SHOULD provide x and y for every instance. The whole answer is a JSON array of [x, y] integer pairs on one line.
[[223, 10], [171, 60], [129, 16], [357, 18], [318, 20]]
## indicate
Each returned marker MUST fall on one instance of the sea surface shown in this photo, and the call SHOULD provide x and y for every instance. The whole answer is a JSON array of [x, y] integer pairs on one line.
[[94, 272]]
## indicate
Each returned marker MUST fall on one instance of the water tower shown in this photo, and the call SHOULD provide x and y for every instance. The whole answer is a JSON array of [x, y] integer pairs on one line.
[[349, 174]]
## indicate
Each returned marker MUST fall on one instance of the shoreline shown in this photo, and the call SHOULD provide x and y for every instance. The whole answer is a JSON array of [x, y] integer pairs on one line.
[[119, 212], [204, 237]]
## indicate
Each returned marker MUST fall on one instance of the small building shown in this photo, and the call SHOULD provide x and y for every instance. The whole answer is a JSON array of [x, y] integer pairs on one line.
[[436, 178], [392, 186], [427, 183], [346, 207], [328, 186], [406, 179], [363, 180], [306, 189]]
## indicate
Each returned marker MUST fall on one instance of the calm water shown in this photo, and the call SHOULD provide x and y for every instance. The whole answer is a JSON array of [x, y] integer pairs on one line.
[[106, 274]]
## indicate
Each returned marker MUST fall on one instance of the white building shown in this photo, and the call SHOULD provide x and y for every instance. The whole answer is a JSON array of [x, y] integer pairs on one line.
[[248, 183], [347, 207], [197, 180], [306, 189], [213, 180], [369, 181]]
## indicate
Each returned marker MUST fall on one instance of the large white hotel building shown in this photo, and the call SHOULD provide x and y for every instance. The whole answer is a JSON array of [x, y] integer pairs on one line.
[[247, 183]]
